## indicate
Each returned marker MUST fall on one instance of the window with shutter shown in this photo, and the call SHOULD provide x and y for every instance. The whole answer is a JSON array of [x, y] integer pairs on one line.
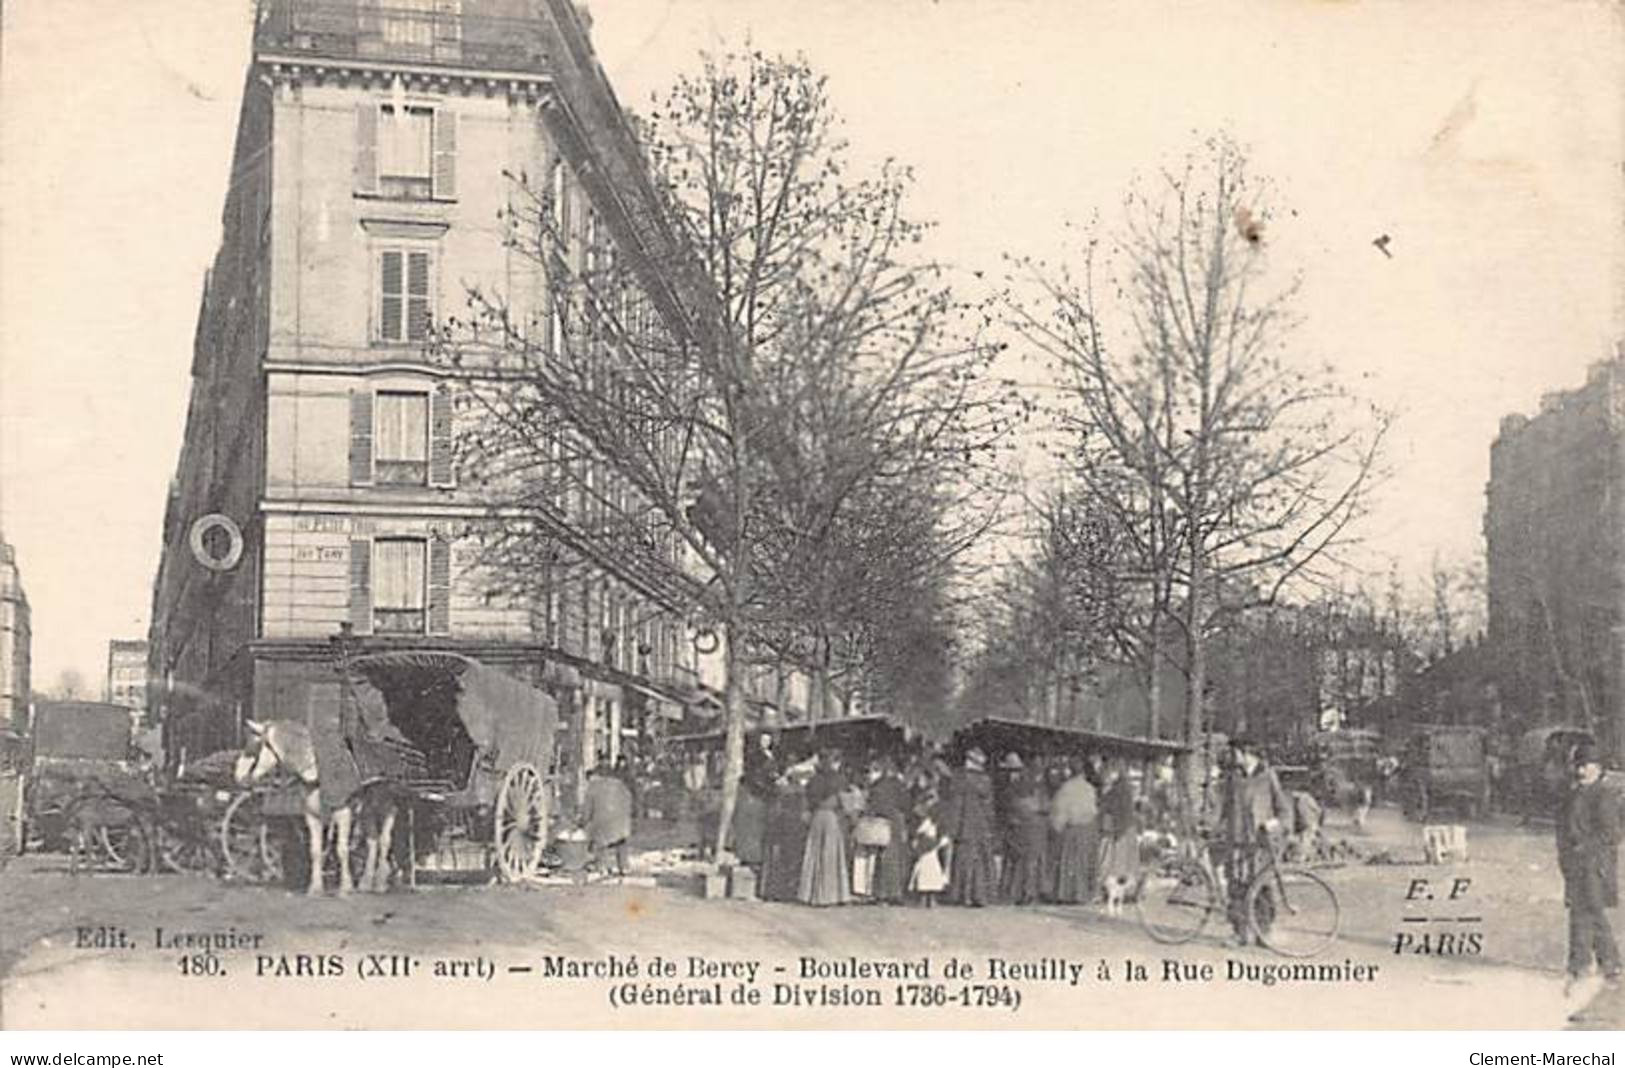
[[361, 437], [417, 296], [366, 148], [398, 585], [561, 203], [405, 287], [439, 586], [401, 439], [441, 472], [390, 279], [361, 586], [445, 154]]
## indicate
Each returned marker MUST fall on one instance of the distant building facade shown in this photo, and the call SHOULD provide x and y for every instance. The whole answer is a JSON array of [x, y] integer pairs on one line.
[[127, 677], [316, 488], [16, 644], [1554, 527]]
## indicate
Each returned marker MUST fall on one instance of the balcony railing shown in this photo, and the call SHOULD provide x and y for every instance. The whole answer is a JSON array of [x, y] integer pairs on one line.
[[356, 29]]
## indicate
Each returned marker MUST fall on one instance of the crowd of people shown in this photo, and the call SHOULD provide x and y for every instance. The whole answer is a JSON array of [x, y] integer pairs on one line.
[[915, 828]]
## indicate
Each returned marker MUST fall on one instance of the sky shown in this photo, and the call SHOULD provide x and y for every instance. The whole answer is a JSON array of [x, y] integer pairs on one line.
[[1484, 137]]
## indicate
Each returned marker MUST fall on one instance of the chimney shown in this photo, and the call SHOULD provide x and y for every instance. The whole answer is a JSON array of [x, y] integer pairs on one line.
[[1552, 402], [584, 13]]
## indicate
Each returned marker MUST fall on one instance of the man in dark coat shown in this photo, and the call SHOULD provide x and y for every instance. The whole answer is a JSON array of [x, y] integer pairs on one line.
[[1588, 831], [607, 816], [968, 825], [1257, 815]]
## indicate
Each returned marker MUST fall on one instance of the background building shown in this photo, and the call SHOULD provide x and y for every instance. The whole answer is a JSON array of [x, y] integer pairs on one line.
[[15, 643], [1554, 528], [127, 677], [366, 182]]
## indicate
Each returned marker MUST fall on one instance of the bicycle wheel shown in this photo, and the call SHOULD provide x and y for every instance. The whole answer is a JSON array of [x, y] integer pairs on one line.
[[1176, 901], [1293, 911]]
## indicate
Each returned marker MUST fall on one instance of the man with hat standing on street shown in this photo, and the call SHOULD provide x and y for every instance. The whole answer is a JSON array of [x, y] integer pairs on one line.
[[968, 825], [1257, 814], [1588, 830]]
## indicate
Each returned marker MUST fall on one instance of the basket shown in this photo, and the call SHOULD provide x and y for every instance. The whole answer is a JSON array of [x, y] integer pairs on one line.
[[873, 832]]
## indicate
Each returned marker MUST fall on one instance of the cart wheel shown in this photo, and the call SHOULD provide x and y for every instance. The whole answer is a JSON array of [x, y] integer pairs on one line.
[[520, 830], [249, 846], [184, 852], [126, 846]]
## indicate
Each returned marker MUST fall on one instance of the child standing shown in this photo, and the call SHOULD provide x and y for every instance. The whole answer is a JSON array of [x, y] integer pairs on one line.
[[930, 875]]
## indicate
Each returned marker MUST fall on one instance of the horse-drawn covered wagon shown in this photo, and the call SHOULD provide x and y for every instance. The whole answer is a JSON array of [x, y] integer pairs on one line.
[[462, 751]]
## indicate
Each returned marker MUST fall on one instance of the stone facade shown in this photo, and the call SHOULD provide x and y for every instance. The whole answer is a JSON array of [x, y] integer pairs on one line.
[[127, 678], [1554, 525], [15, 644], [367, 180]]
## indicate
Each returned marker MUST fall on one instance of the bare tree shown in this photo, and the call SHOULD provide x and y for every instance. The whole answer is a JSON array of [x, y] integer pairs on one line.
[[738, 417], [1235, 471]]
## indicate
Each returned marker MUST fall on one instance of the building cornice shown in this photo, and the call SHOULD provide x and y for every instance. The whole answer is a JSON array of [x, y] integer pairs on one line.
[[321, 70]]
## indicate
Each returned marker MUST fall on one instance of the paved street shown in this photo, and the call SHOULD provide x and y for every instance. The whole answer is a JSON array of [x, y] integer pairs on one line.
[[1512, 886]]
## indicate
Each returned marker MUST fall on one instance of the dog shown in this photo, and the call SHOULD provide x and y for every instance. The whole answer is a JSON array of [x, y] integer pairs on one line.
[[1116, 890]]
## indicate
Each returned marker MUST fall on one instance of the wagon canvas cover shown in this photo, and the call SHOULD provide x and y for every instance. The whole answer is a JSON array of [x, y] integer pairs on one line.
[[503, 716]]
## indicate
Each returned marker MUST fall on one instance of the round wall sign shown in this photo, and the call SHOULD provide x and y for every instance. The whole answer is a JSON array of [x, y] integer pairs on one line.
[[217, 543]]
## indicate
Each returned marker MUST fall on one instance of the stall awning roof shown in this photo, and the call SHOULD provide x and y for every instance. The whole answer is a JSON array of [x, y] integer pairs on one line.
[[836, 732], [1000, 735]]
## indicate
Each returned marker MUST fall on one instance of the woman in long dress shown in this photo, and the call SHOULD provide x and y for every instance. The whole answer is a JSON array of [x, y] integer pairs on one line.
[[888, 799], [826, 871], [1026, 853], [1074, 818]]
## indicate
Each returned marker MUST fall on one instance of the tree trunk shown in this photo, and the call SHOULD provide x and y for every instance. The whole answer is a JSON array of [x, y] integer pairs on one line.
[[733, 746], [819, 698], [1153, 685], [1196, 661]]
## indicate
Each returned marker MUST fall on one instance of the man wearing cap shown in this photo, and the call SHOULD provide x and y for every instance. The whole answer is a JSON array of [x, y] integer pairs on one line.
[[1588, 853], [1257, 813]]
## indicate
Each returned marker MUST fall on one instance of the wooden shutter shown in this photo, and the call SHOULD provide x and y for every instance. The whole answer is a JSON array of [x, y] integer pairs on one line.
[[361, 585], [391, 293], [445, 154], [440, 443], [418, 306], [439, 586], [361, 437], [366, 148]]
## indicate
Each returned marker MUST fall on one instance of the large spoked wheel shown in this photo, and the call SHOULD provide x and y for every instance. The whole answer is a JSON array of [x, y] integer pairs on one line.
[[1293, 911], [126, 846], [520, 830], [251, 849], [184, 852], [1176, 902]]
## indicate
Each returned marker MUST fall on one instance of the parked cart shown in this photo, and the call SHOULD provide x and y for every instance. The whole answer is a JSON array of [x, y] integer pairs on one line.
[[469, 748]]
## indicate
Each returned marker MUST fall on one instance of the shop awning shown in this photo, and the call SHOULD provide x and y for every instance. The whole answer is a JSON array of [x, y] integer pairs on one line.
[[996, 736]]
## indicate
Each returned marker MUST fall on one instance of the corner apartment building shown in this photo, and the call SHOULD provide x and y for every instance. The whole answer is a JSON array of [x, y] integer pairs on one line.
[[317, 486], [1554, 525], [16, 644], [127, 678]]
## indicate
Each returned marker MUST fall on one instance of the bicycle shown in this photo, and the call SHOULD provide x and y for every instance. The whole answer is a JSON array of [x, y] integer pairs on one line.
[[1289, 908]]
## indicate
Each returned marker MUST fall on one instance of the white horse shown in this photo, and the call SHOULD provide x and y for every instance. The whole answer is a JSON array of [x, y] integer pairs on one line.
[[288, 745]]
